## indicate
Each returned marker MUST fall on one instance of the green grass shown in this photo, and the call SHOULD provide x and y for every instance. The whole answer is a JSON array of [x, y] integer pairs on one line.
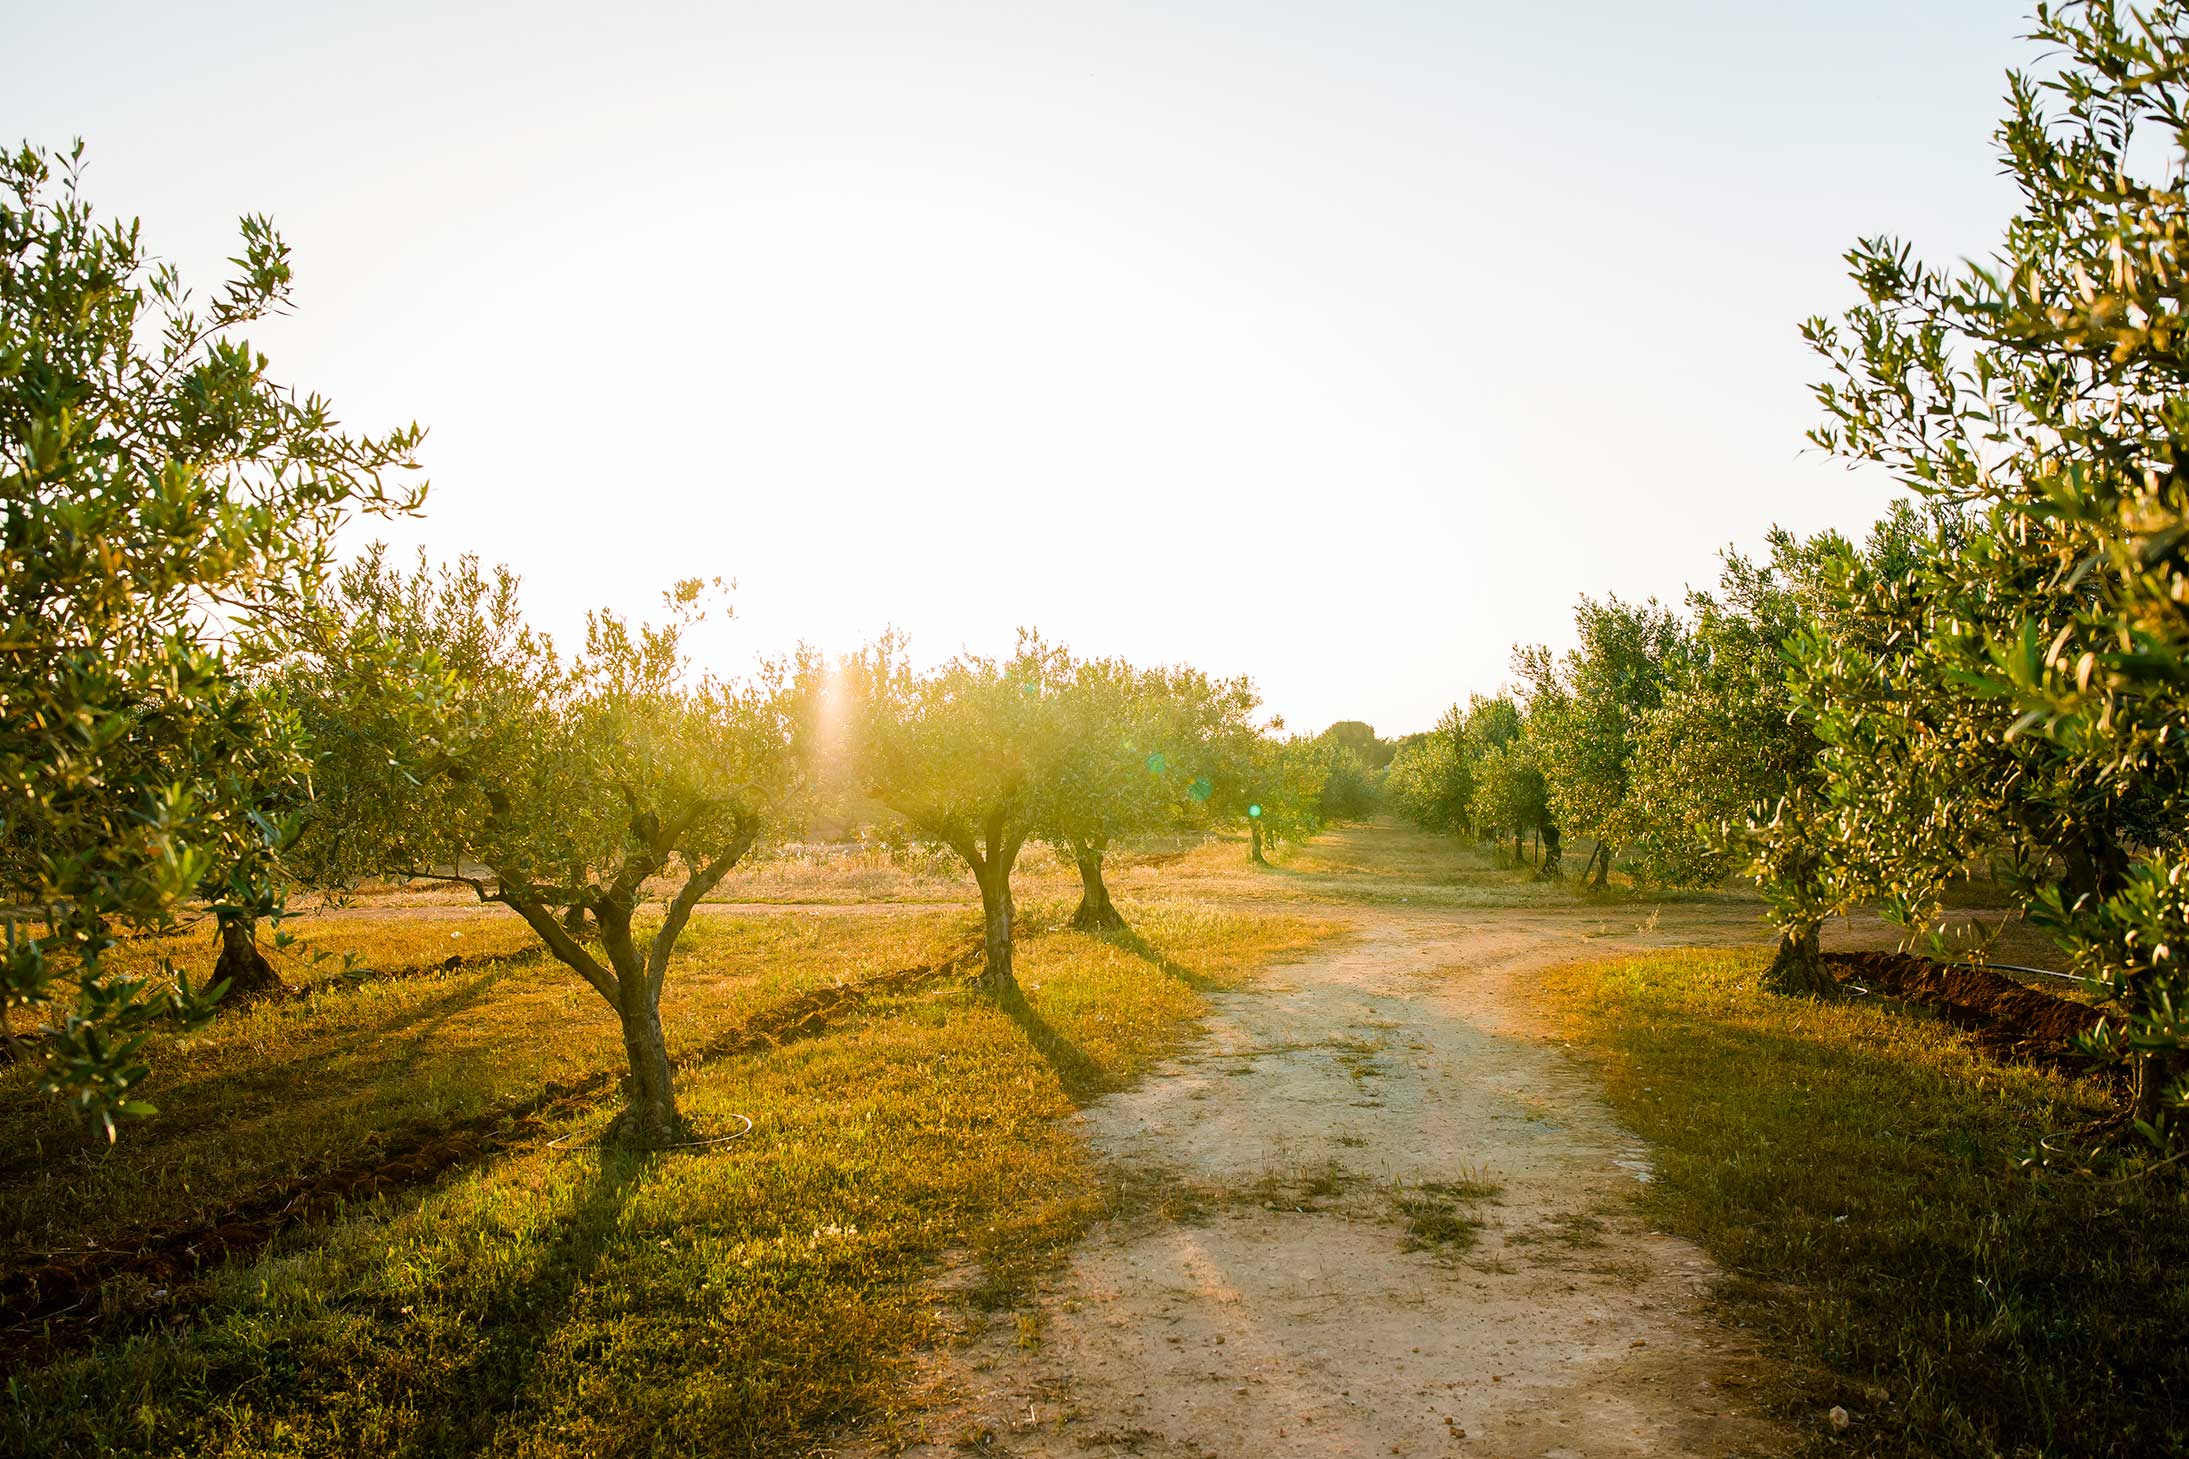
[[1853, 1169], [1440, 1214], [278, 1089], [745, 1301]]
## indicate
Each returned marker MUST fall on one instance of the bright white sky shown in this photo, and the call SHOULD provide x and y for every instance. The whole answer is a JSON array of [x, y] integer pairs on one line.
[[1343, 344]]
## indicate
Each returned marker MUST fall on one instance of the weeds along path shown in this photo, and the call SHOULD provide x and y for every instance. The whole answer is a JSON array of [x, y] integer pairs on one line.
[[1377, 1210]]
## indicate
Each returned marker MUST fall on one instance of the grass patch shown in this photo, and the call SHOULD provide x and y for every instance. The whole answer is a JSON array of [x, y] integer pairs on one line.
[[740, 1302], [1854, 1170], [1440, 1214]]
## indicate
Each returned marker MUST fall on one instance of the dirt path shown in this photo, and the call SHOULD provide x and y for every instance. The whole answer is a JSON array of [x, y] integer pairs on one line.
[[1377, 1210]]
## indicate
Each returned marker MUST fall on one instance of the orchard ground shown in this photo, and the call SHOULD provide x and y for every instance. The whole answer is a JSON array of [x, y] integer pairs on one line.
[[1384, 1149]]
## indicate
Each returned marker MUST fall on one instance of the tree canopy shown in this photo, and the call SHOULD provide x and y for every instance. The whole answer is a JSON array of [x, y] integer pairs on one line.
[[168, 507]]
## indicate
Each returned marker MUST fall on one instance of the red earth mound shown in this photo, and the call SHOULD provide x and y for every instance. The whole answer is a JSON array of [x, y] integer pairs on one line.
[[2008, 1018]]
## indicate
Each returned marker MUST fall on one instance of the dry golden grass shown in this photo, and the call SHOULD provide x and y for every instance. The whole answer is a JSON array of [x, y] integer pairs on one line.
[[735, 1302]]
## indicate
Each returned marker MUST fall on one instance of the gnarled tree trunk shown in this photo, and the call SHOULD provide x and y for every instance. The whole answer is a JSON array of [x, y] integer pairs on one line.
[[650, 1115], [1798, 968], [248, 973], [632, 981], [1551, 854], [2095, 866], [1096, 912], [995, 904], [1254, 829]]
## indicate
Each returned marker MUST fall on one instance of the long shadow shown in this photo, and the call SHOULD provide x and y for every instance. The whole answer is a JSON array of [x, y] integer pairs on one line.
[[219, 1095], [407, 1155], [1081, 1077], [1149, 953], [195, 1105], [468, 1405]]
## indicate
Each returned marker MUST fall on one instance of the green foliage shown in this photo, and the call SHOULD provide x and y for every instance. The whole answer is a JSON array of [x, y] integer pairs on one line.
[[1431, 780], [1147, 748], [1512, 796], [167, 505], [1359, 740], [970, 755], [473, 753], [1586, 711], [1352, 768], [2039, 399], [1725, 747]]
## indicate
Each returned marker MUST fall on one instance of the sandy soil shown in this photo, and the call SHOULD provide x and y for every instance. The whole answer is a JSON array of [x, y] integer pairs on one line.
[[1261, 1297]]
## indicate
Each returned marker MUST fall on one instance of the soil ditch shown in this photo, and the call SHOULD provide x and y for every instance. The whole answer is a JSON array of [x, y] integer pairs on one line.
[[2008, 1019], [53, 1304]]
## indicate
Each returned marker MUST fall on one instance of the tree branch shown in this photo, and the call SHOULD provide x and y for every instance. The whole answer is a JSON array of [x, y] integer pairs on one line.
[[696, 886], [560, 943]]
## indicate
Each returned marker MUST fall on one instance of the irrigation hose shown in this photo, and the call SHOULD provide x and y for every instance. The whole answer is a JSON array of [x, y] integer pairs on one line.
[[561, 1144]]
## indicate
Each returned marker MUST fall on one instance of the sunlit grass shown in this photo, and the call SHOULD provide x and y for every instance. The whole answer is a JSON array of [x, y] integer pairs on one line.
[[283, 1088], [743, 1301], [1853, 1168]]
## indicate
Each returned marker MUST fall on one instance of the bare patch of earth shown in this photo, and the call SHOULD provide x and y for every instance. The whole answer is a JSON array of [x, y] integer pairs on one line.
[[1376, 1210]]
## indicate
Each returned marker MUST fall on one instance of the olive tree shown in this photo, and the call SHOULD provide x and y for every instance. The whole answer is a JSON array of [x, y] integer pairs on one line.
[[1586, 708], [970, 756], [542, 784], [1512, 798], [1277, 791], [1431, 780], [1147, 751], [165, 507], [1109, 782], [1726, 743], [2045, 393]]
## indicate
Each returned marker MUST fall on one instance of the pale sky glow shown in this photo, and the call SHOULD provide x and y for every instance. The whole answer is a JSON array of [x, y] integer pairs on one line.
[[1342, 345]]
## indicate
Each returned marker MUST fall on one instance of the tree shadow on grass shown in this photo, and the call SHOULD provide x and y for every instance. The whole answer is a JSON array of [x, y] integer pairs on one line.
[[1082, 1078], [472, 1402], [290, 1081], [1148, 952]]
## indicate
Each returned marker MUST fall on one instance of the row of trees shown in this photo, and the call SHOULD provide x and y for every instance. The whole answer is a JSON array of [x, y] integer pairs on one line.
[[1998, 674], [452, 742], [200, 713]]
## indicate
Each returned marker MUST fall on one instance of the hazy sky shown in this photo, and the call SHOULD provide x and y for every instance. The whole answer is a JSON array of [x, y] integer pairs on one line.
[[1343, 345]]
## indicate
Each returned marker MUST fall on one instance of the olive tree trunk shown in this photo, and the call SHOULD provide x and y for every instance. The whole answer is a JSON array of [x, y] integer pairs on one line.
[[244, 967], [1551, 854], [649, 1106], [997, 978], [650, 1115], [1096, 912], [1799, 969], [1254, 830], [2153, 1074], [632, 981]]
